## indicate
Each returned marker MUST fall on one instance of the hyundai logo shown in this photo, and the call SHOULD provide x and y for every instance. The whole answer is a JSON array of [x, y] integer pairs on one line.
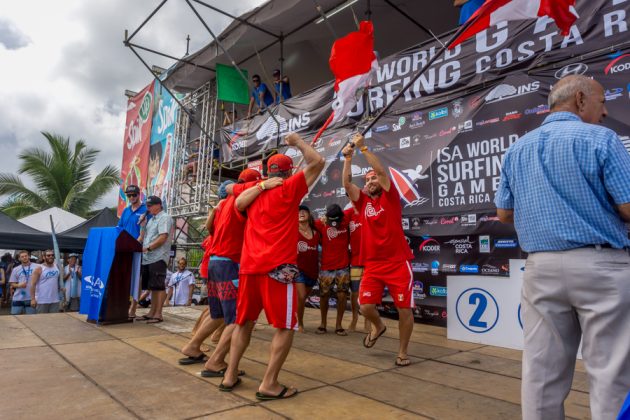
[[571, 69]]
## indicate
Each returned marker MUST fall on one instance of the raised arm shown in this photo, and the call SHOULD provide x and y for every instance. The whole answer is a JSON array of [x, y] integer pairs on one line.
[[210, 219], [314, 161], [248, 196], [375, 162], [352, 190]]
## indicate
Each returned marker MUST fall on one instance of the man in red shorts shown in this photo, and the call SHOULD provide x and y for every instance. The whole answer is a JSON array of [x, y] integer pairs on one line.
[[269, 265], [226, 225], [385, 254]]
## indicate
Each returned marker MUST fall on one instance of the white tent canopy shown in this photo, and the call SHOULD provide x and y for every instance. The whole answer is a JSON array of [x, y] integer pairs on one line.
[[62, 220]]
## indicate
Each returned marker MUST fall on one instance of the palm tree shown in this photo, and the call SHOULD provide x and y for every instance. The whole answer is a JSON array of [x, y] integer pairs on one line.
[[62, 178]]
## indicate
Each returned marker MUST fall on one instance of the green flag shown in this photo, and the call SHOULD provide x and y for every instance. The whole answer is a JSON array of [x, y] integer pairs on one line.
[[230, 85]]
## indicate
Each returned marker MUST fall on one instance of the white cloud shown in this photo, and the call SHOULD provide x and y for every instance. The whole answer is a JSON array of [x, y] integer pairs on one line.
[[66, 67]]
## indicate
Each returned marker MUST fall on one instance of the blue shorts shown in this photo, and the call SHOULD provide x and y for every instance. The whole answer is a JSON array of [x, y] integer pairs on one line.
[[222, 288], [303, 278], [19, 307]]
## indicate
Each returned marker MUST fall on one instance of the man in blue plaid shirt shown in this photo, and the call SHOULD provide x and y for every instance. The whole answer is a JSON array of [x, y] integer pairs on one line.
[[566, 188]]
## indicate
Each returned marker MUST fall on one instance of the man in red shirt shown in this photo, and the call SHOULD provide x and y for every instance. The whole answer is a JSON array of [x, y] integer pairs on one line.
[[226, 226], [385, 253], [269, 265], [335, 266]]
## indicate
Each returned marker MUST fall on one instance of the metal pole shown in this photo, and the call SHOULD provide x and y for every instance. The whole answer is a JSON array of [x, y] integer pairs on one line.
[[244, 21], [229, 56], [190, 115], [146, 20], [185, 61], [323, 15], [415, 22], [422, 70]]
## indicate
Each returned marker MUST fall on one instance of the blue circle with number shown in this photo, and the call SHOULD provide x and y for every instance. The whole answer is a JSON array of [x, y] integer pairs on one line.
[[477, 310]]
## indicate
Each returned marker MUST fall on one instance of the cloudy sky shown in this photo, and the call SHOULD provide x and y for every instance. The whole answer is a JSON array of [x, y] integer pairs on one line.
[[65, 69]]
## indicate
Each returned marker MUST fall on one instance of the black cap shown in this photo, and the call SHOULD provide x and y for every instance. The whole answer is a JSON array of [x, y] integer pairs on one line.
[[305, 208], [132, 189], [334, 214], [276, 71], [153, 199]]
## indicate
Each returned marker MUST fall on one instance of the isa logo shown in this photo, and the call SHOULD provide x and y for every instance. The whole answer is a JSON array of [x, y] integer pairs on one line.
[[435, 267]]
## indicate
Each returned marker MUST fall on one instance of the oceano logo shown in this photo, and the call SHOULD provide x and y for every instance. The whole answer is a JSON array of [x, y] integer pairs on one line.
[[145, 107]]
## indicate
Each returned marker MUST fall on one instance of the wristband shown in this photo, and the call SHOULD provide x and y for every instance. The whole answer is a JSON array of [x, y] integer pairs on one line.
[[363, 149], [260, 186], [348, 157]]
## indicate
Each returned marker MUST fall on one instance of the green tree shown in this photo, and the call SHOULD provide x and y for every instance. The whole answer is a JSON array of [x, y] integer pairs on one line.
[[61, 176]]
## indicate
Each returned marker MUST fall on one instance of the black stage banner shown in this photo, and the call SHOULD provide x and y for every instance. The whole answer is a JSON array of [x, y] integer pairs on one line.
[[514, 48]]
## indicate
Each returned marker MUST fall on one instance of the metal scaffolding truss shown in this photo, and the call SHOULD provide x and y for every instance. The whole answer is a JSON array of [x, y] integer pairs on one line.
[[196, 169]]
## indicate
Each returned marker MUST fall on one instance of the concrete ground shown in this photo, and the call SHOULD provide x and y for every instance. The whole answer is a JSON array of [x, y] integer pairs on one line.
[[60, 367]]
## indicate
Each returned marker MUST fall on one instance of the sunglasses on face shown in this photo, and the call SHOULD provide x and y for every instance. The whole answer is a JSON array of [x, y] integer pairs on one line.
[[132, 195]]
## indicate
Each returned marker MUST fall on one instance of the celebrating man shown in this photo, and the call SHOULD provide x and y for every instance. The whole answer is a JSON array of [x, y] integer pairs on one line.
[[269, 264], [385, 254], [565, 187]]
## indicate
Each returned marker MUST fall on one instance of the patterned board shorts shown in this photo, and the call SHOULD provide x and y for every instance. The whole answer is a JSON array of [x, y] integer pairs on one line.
[[222, 288], [334, 280]]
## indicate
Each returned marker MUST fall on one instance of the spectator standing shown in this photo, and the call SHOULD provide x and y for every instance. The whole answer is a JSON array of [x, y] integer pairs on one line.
[[156, 248], [309, 241], [45, 285], [565, 187], [181, 285], [20, 281], [72, 283], [261, 96], [281, 87], [335, 267]]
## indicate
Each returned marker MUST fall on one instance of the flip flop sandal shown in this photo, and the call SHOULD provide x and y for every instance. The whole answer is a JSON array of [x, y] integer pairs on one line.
[[321, 330], [402, 362], [281, 396], [154, 320], [368, 341], [341, 331], [190, 360], [225, 388], [207, 373], [144, 318]]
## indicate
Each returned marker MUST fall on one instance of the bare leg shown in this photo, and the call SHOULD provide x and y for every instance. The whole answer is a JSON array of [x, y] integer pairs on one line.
[[217, 360], [132, 308], [207, 327], [405, 326], [216, 335], [341, 308], [371, 314], [157, 301], [302, 294], [354, 303], [240, 340], [323, 309], [280, 346]]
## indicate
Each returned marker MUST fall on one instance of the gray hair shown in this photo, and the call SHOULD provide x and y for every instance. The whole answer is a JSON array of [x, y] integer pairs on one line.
[[567, 87]]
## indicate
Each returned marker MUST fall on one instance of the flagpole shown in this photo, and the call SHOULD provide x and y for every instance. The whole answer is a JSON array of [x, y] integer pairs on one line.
[[59, 260], [420, 73]]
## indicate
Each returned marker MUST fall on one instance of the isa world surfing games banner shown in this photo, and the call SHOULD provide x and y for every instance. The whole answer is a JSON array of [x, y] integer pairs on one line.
[[136, 144], [165, 110]]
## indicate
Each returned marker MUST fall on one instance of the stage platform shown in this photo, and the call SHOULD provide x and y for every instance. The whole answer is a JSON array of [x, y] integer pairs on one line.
[[60, 367]]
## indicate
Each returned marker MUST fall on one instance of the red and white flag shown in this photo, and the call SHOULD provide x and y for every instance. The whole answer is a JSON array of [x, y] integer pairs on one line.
[[495, 11], [352, 61]]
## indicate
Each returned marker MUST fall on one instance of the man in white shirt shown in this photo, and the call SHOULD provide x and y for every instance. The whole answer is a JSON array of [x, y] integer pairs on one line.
[[72, 282], [20, 282], [45, 285], [181, 285]]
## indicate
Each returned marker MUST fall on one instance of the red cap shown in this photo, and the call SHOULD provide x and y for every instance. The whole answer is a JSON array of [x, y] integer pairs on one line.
[[279, 163], [249, 175]]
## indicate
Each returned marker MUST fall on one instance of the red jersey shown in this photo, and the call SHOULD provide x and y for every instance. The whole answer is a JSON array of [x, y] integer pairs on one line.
[[229, 225], [308, 254], [355, 236], [335, 241], [382, 237], [271, 233]]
